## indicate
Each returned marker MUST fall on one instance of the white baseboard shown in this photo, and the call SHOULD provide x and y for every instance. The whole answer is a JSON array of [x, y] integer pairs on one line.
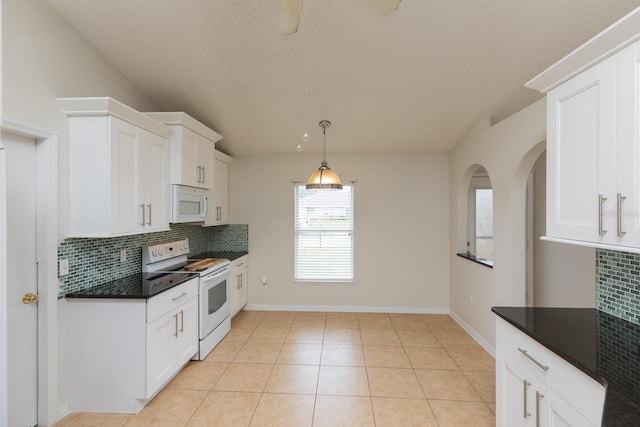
[[346, 309], [63, 410], [476, 336]]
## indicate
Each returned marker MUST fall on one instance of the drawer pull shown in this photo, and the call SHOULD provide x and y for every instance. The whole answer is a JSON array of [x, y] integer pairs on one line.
[[540, 365], [538, 397], [601, 200], [619, 231], [525, 385], [178, 297], [175, 316]]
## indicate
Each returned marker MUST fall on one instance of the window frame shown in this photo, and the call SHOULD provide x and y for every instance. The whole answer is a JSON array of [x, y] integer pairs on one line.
[[349, 231]]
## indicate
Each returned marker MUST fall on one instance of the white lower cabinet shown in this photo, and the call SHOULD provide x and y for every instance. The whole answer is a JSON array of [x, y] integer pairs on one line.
[[171, 341], [239, 282], [535, 387], [123, 351]]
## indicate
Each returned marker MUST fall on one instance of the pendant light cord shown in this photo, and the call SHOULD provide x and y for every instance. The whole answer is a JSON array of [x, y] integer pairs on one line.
[[306, 69]]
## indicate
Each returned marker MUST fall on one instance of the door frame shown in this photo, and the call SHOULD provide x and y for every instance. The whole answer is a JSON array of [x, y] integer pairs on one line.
[[47, 273]]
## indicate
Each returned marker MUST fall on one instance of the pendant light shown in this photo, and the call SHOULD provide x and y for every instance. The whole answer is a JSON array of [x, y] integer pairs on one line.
[[324, 178]]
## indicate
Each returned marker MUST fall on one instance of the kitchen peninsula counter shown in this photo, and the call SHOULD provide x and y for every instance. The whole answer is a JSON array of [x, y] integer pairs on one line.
[[603, 346]]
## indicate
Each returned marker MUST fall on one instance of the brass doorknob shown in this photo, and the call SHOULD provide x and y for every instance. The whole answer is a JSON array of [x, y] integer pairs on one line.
[[30, 298]]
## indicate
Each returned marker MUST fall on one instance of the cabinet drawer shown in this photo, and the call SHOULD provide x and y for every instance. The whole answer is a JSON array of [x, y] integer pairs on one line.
[[528, 351], [170, 299], [241, 262]]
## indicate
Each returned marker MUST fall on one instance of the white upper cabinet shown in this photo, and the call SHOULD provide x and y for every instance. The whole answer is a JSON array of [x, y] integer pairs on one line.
[[119, 169], [592, 154], [581, 155], [192, 150], [218, 211], [593, 151]]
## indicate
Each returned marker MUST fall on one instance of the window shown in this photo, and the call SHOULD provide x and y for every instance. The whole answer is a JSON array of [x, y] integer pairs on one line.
[[324, 234], [484, 223], [479, 246]]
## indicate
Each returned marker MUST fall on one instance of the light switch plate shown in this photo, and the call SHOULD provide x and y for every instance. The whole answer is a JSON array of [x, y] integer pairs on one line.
[[63, 267]]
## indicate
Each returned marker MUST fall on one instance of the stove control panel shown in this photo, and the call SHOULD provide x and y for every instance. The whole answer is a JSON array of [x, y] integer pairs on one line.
[[164, 251]]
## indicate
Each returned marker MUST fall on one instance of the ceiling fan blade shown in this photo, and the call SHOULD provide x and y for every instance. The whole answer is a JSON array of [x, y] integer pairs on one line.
[[385, 6], [290, 16]]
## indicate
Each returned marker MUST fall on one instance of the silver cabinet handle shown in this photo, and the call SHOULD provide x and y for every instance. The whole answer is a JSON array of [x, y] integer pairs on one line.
[[538, 397], [182, 321], [620, 199], [199, 173], [240, 265], [149, 222], [540, 365], [175, 334], [525, 385], [178, 297], [143, 217], [601, 200]]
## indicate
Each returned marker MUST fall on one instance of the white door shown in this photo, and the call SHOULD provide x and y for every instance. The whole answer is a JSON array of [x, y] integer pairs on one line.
[[21, 280]]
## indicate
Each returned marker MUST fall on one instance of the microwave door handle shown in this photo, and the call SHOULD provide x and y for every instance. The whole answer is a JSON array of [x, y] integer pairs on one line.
[[205, 206]]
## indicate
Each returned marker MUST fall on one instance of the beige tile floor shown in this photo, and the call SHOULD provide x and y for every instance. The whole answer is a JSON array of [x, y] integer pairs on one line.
[[327, 369]]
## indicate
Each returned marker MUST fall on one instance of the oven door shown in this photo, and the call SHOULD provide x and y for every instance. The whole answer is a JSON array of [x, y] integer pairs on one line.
[[214, 302]]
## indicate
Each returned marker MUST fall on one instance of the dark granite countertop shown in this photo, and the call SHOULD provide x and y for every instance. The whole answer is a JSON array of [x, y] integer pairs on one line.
[[230, 255], [602, 346], [140, 286]]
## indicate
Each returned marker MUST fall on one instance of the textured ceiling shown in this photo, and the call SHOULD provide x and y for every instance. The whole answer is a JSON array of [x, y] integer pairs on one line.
[[412, 81]]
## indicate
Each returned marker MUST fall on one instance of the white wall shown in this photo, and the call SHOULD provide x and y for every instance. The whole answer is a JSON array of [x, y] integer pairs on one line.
[[401, 230], [564, 275], [508, 151], [44, 58]]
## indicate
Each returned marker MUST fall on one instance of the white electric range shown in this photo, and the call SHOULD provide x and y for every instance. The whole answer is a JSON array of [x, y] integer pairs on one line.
[[214, 308]]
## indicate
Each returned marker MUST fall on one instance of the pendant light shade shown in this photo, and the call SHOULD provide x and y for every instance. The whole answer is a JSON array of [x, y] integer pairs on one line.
[[324, 178]]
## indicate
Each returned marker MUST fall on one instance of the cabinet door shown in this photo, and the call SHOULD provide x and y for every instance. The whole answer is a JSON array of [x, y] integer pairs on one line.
[[581, 156], [161, 337], [189, 157], [206, 158], [238, 277], [157, 185], [244, 287], [186, 344], [222, 192], [560, 413], [127, 187], [516, 394], [627, 229]]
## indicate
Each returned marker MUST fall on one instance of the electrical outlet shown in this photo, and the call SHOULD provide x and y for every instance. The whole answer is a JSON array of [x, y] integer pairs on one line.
[[470, 298], [123, 255], [63, 267]]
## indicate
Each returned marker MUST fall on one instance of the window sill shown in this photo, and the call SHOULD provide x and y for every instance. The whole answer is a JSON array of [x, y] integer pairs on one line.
[[481, 261]]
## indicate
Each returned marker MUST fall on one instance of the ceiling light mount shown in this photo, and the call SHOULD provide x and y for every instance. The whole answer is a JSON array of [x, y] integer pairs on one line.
[[324, 178]]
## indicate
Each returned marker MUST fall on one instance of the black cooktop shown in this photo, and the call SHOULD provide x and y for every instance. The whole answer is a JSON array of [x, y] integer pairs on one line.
[[603, 346], [140, 285]]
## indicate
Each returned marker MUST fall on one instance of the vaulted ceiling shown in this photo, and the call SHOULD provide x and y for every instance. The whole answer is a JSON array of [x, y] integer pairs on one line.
[[411, 81]]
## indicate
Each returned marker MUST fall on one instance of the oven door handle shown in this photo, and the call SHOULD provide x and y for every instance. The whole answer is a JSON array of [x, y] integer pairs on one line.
[[214, 276]]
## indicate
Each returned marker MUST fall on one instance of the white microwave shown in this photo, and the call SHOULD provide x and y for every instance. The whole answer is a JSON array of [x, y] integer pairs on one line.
[[188, 204]]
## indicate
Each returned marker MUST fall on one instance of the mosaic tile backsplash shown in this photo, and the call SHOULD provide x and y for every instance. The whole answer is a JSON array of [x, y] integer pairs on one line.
[[618, 284], [96, 261]]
